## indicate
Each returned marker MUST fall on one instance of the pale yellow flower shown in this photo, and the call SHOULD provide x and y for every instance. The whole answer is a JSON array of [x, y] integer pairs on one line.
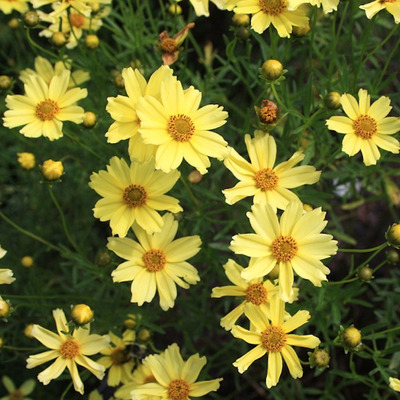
[[366, 126], [6, 275], [272, 336], [82, 6], [328, 5], [133, 194], [7, 6], [261, 178], [201, 7], [394, 383], [68, 350], [391, 6], [21, 393]]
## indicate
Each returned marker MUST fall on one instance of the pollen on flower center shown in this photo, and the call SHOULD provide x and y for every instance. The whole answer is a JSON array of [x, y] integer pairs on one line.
[[273, 338], [273, 7], [266, 179], [16, 395], [135, 195], [256, 294], [70, 349], [284, 248], [119, 356], [154, 260], [168, 45], [365, 126], [178, 389], [180, 127], [77, 20], [47, 109]]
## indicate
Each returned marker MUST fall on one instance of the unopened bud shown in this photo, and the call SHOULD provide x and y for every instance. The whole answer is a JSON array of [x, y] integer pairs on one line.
[[272, 69], [31, 18], [81, 314], [89, 119], [92, 41], [52, 170], [26, 160], [27, 261], [195, 176], [332, 100], [5, 82], [393, 235], [241, 20], [365, 274], [58, 39]]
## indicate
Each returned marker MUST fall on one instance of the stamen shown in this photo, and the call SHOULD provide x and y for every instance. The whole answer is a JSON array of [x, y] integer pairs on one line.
[[70, 349], [46, 110], [168, 45], [135, 195], [284, 248], [273, 338], [154, 260], [256, 294], [266, 179], [180, 127], [178, 389], [273, 7], [365, 126]]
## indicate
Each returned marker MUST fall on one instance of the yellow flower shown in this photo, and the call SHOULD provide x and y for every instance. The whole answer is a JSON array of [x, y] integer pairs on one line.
[[279, 13], [366, 126], [44, 107], [7, 6], [180, 128], [175, 378], [46, 71], [256, 293], [133, 194], [394, 384], [392, 6], [68, 350], [21, 393], [26, 160], [6, 275], [52, 170], [118, 360], [156, 262], [268, 184], [294, 243], [328, 5], [275, 339], [82, 6], [201, 7]]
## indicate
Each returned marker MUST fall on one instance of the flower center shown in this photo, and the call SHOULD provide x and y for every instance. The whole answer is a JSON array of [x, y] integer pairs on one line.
[[387, 1], [284, 248], [268, 114], [365, 126], [266, 179], [256, 294], [16, 395], [273, 6], [168, 45], [180, 127], [69, 349], [273, 338], [178, 389], [135, 195], [77, 20], [119, 356], [154, 260], [47, 109]]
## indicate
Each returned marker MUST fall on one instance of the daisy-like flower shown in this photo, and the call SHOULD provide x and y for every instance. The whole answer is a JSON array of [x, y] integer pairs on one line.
[[294, 243], [7, 6], [68, 350], [394, 383], [118, 360], [328, 5], [201, 7], [366, 126], [268, 184], [256, 293], [133, 194], [6, 275], [175, 378], [274, 337], [279, 13], [180, 128], [82, 6], [21, 393], [46, 71], [391, 6], [44, 108], [156, 263]]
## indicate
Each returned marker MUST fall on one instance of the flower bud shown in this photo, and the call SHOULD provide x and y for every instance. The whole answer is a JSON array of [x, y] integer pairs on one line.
[[28, 331], [392, 256], [365, 274], [103, 258], [89, 119], [58, 39], [5, 82], [195, 176], [27, 261], [13, 23], [319, 358], [242, 33], [26, 160], [92, 41], [31, 18], [272, 69], [351, 337], [119, 81], [130, 323], [81, 314], [175, 9], [393, 191], [393, 235], [52, 170], [301, 31], [241, 20], [144, 335], [332, 100], [4, 308]]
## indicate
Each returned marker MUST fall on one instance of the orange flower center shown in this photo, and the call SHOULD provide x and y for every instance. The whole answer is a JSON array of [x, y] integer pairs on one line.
[[178, 389], [169, 45], [70, 349], [135, 195], [77, 20], [365, 126], [268, 114], [16, 395], [387, 1], [256, 294], [180, 127], [273, 338], [47, 109], [266, 179], [119, 356], [284, 248], [154, 260], [273, 7]]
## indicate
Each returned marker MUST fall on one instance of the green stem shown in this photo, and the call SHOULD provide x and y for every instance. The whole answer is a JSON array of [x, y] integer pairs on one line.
[[380, 247], [187, 187], [66, 391], [344, 281], [30, 234], [381, 332]]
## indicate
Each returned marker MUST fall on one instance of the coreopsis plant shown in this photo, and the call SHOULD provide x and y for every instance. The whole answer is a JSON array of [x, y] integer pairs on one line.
[[294, 242], [20, 393], [391, 6], [82, 6], [156, 262], [272, 335], [69, 349], [328, 5], [8, 6], [6, 275], [261, 178]]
